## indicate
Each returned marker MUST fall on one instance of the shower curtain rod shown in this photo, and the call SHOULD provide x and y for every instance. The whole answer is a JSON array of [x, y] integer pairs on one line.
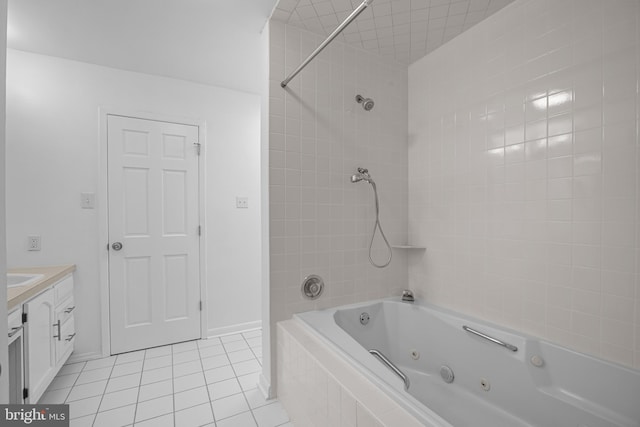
[[328, 40]]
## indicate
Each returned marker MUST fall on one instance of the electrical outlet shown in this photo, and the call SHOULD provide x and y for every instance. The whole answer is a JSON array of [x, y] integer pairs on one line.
[[242, 202], [33, 243]]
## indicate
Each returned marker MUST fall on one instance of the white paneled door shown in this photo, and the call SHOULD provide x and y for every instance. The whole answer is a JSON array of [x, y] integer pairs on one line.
[[154, 273]]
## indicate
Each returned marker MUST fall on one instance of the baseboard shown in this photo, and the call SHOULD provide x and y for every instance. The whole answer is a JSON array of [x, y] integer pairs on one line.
[[83, 357], [234, 329], [265, 387]]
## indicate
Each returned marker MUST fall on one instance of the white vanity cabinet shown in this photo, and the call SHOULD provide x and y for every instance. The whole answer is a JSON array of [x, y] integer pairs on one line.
[[49, 335], [40, 350]]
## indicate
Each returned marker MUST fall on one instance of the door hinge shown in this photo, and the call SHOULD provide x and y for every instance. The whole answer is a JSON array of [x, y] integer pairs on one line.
[[25, 393], [198, 146], [200, 305], [199, 230], [24, 317]]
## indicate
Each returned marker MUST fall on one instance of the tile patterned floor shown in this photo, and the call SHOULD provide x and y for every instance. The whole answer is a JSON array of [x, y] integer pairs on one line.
[[208, 382]]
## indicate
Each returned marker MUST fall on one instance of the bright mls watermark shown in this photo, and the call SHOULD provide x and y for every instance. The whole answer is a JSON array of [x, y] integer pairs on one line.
[[34, 415]]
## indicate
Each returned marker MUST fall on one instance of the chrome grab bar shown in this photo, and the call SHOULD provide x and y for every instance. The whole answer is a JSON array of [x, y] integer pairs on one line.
[[493, 340], [391, 366]]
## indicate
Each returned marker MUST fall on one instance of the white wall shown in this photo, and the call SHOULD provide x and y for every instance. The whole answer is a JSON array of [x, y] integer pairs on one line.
[[523, 173], [53, 155], [4, 379], [321, 223]]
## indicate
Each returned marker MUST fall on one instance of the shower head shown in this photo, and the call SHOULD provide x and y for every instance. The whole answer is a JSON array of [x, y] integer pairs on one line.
[[362, 175], [367, 103]]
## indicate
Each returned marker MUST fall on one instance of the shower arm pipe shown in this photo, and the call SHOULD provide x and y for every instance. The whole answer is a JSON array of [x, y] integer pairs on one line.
[[328, 40]]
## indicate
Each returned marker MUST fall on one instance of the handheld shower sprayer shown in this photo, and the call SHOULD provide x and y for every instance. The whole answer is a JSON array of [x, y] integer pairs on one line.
[[363, 175]]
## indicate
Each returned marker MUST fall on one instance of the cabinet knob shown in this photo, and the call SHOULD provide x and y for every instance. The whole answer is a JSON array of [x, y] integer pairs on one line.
[[116, 246]]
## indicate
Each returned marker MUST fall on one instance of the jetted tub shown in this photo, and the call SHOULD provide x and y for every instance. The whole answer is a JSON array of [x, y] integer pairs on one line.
[[515, 380]]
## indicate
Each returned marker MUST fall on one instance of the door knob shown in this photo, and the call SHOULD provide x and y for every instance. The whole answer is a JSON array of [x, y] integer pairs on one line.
[[116, 246]]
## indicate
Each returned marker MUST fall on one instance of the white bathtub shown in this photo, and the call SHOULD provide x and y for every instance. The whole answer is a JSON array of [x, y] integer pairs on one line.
[[493, 385]]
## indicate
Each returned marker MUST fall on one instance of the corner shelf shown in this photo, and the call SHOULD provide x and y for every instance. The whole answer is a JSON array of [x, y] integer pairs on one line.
[[409, 247]]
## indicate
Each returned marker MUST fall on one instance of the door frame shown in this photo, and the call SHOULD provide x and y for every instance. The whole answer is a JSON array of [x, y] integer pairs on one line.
[[103, 213]]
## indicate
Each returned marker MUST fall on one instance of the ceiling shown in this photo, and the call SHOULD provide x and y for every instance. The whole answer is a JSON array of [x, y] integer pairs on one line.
[[405, 30], [207, 41]]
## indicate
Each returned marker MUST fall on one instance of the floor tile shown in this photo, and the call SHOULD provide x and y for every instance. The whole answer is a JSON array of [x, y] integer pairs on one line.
[[208, 342], [189, 398], [244, 419], [271, 415], [258, 352], [252, 334], [151, 353], [249, 381], [63, 381], [254, 342], [248, 367], [219, 374], [87, 390], [154, 408], [235, 345], [229, 406], [224, 388], [93, 375], [55, 397], [256, 398], [72, 368], [158, 362], [163, 421], [152, 391], [188, 382], [215, 362], [105, 362], [116, 417], [184, 346], [84, 407], [156, 375], [126, 369], [240, 356], [210, 351], [133, 356], [187, 368], [194, 417], [124, 382], [231, 338], [186, 356], [82, 422], [119, 399]]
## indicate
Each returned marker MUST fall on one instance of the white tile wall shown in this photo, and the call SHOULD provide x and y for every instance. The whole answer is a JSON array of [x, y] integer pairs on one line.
[[320, 223], [523, 173]]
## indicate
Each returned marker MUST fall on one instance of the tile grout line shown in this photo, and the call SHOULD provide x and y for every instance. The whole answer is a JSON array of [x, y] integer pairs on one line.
[[206, 386], [144, 359], [243, 391]]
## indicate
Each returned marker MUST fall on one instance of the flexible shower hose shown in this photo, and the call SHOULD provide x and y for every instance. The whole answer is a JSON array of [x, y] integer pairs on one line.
[[379, 227]]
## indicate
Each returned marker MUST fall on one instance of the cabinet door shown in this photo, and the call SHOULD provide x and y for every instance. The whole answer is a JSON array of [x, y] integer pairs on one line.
[[40, 344]]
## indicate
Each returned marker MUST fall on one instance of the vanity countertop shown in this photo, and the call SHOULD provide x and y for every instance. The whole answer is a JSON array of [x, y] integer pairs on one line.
[[51, 274]]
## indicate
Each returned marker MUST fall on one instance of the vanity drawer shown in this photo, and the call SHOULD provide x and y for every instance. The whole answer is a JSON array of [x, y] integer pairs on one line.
[[65, 310], [64, 345], [63, 289]]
